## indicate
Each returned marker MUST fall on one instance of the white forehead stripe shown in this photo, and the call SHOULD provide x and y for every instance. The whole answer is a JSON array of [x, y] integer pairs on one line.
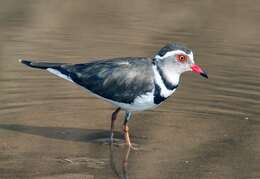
[[191, 57], [174, 52]]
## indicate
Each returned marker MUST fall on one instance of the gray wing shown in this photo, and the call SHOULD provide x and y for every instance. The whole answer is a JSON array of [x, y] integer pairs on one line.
[[120, 80]]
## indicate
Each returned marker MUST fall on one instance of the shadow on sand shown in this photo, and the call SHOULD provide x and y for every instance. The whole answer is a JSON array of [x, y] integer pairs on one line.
[[63, 133], [81, 135]]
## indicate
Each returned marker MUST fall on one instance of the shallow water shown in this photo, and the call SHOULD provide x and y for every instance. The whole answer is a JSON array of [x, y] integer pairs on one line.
[[50, 128]]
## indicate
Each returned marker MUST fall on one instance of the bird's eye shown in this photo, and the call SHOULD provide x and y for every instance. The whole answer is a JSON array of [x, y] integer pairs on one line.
[[181, 58]]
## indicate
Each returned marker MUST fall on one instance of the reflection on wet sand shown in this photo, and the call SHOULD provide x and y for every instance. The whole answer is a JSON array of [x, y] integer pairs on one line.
[[123, 172]]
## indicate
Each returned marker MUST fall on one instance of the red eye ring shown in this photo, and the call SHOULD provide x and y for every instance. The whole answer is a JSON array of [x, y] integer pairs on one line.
[[181, 58]]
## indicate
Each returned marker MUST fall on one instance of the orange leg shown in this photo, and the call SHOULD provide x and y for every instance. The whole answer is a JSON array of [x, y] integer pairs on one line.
[[113, 118], [126, 135], [126, 129]]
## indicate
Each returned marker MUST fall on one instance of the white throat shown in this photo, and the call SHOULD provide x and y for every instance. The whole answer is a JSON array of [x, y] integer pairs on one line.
[[165, 92], [172, 76]]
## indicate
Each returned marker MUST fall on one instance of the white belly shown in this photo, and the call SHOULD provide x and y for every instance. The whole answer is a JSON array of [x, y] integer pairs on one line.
[[141, 103]]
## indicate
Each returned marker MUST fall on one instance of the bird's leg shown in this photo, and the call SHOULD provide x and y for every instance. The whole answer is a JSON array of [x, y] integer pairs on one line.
[[113, 118], [126, 129]]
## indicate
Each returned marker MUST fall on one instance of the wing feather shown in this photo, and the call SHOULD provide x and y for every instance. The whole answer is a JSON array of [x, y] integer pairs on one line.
[[120, 80]]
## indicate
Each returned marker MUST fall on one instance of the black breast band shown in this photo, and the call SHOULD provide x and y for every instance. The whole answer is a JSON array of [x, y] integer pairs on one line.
[[167, 84], [157, 95], [158, 98]]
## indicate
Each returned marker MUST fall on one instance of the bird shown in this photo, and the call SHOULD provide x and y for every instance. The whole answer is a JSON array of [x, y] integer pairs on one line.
[[131, 84]]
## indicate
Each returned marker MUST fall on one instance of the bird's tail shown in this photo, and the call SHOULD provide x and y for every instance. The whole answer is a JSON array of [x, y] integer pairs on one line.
[[40, 65]]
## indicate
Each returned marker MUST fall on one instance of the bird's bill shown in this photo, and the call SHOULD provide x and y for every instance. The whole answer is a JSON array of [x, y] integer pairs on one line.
[[197, 69]]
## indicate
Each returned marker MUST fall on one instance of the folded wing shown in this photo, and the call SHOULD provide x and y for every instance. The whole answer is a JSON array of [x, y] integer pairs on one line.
[[120, 80]]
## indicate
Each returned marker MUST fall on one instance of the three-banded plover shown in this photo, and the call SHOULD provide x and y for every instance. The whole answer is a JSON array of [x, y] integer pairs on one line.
[[131, 83]]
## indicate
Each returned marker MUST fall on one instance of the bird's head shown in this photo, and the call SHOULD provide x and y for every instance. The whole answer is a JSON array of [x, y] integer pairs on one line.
[[175, 58]]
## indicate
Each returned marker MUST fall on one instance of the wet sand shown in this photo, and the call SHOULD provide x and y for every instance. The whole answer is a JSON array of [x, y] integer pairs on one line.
[[208, 129]]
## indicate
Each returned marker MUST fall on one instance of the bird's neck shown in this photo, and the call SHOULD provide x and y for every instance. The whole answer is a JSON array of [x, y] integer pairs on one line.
[[169, 77], [166, 84]]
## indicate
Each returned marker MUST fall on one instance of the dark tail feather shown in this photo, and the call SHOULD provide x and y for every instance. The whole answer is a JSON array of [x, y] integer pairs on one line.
[[40, 65]]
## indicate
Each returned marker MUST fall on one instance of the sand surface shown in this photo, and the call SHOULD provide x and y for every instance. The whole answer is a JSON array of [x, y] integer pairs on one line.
[[52, 129]]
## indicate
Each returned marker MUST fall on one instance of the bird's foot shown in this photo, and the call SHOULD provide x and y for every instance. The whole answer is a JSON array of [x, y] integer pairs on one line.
[[127, 138], [133, 147], [121, 143]]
